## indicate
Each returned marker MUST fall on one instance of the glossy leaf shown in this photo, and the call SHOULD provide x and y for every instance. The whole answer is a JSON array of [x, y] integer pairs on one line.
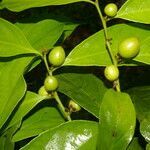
[[29, 102], [12, 85], [145, 128], [117, 121], [42, 35], [42, 120], [19, 5], [71, 135], [135, 10], [135, 145], [85, 89], [92, 51], [13, 42]]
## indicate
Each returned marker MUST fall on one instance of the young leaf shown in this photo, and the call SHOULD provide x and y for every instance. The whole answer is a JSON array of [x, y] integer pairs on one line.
[[85, 89], [72, 135], [135, 10], [19, 5], [117, 121], [42, 35], [13, 41], [93, 52], [42, 120], [12, 85]]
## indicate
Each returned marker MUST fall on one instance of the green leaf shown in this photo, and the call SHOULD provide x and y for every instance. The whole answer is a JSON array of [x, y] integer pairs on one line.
[[92, 51], [117, 121], [145, 128], [141, 99], [135, 145], [69, 28], [6, 138], [19, 5], [5, 143], [43, 34], [148, 146], [13, 41], [85, 89], [12, 85], [28, 103], [135, 10], [36, 61], [73, 135], [16, 92], [42, 120]]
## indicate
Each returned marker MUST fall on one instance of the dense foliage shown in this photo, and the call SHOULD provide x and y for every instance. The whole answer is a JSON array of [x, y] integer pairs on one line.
[[74, 74]]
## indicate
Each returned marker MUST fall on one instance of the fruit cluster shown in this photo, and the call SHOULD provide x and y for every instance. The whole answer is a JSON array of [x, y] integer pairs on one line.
[[56, 58], [127, 49]]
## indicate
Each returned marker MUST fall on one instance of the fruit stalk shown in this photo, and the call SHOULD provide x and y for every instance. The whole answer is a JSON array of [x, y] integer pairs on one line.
[[46, 64], [107, 40], [61, 107], [54, 93]]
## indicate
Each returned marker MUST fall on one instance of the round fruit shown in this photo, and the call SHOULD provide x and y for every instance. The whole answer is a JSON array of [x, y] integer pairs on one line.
[[111, 73], [73, 107], [57, 56], [42, 91], [129, 47], [50, 83], [111, 10]]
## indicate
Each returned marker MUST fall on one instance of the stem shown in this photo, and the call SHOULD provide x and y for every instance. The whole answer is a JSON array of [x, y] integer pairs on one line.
[[107, 39], [61, 107], [118, 85], [46, 64]]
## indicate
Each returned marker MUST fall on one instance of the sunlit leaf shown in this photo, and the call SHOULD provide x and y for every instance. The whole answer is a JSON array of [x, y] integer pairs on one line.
[[117, 121], [135, 10]]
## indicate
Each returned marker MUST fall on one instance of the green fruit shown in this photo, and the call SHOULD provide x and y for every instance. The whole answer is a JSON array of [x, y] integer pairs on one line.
[[111, 10], [42, 91], [129, 47], [111, 73], [50, 83], [73, 107], [57, 56]]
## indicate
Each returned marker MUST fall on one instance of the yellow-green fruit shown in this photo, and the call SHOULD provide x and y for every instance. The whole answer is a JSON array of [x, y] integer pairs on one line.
[[129, 48], [42, 91], [111, 10], [74, 107], [56, 56], [111, 73], [50, 83]]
